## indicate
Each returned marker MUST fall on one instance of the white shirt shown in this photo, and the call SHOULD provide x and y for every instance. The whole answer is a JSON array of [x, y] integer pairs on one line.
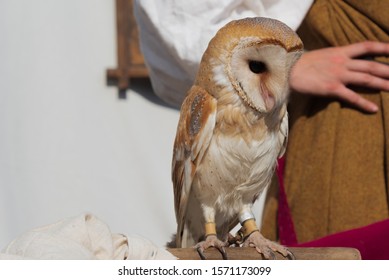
[[175, 33]]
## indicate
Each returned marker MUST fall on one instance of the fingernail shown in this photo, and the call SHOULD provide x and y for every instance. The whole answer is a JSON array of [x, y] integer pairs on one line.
[[374, 108]]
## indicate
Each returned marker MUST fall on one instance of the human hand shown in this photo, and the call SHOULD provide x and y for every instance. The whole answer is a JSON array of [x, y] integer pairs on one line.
[[327, 72]]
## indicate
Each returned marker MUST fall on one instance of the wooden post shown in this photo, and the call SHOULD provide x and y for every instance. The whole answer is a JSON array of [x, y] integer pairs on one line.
[[129, 57], [252, 254]]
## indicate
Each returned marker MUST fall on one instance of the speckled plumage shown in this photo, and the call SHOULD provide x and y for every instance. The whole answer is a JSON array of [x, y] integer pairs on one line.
[[233, 126]]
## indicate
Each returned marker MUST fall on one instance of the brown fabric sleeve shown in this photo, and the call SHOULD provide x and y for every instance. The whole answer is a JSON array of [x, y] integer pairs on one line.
[[336, 161]]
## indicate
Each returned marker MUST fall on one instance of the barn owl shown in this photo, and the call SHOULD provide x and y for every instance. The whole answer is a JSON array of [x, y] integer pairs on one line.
[[233, 126]]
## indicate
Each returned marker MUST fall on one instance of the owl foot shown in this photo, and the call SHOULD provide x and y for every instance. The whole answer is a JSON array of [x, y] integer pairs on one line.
[[211, 241], [266, 247]]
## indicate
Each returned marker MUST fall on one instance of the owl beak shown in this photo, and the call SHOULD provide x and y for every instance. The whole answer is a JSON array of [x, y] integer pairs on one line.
[[268, 97]]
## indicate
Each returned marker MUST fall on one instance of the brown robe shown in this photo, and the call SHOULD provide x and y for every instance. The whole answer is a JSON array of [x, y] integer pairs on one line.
[[336, 162]]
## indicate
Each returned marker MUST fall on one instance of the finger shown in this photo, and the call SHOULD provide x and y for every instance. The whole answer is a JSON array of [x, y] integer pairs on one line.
[[371, 67], [366, 80], [367, 47], [356, 100]]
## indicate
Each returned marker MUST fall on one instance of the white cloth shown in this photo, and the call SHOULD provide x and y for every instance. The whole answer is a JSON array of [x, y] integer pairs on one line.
[[175, 33], [81, 238]]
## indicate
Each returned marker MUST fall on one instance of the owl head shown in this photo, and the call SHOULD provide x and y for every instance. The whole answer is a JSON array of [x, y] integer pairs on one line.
[[252, 57]]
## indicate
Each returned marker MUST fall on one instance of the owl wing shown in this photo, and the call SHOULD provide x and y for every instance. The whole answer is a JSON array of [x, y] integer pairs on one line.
[[194, 133]]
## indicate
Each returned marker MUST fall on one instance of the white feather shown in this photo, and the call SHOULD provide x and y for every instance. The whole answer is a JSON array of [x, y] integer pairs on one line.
[[237, 172], [220, 77]]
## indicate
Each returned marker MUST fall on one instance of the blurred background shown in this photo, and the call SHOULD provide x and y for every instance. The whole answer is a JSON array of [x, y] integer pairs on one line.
[[68, 143]]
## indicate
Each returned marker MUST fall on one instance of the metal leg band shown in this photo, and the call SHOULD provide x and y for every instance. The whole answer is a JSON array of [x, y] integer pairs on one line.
[[249, 226], [210, 229]]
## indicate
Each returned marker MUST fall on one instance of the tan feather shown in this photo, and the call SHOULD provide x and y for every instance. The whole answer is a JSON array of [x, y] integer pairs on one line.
[[194, 133]]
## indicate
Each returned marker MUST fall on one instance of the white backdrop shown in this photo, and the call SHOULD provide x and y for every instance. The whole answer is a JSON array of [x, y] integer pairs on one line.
[[68, 144]]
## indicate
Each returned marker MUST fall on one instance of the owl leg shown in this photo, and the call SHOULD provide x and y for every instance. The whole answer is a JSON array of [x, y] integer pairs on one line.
[[253, 238], [211, 239]]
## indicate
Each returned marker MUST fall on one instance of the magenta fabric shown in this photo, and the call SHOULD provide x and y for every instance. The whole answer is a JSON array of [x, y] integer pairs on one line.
[[372, 241], [286, 230]]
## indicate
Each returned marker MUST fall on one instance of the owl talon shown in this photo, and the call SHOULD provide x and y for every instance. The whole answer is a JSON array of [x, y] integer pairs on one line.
[[271, 256], [200, 251], [290, 255], [266, 247], [222, 251], [211, 241], [266, 252]]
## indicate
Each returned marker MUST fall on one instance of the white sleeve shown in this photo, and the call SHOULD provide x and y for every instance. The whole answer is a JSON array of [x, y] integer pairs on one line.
[[175, 33]]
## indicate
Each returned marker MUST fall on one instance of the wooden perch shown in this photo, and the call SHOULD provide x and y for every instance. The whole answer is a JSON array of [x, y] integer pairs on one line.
[[251, 254]]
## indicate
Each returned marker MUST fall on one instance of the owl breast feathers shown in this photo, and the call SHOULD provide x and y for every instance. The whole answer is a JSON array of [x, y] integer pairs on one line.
[[232, 128]]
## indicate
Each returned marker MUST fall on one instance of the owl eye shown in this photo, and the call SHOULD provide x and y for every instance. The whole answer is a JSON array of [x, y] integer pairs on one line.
[[257, 67]]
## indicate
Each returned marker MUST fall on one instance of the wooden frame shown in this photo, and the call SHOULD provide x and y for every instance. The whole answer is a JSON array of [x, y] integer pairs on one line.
[[129, 57]]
